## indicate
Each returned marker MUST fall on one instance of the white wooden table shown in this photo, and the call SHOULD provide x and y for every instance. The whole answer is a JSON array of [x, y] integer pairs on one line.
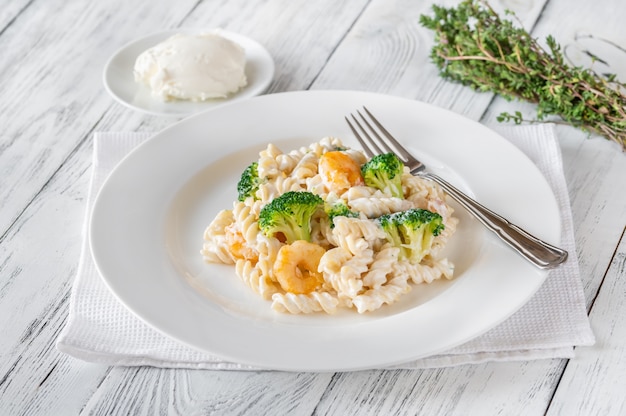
[[52, 100]]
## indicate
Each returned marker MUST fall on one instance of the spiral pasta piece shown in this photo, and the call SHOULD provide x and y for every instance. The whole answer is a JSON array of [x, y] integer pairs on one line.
[[375, 298], [254, 278], [381, 268], [358, 228], [281, 184], [305, 303], [426, 272], [375, 207], [306, 167], [215, 248], [268, 166], [342, 270]]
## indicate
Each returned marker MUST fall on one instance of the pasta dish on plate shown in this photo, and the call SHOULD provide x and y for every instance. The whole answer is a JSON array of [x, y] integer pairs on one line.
[[323, 227]]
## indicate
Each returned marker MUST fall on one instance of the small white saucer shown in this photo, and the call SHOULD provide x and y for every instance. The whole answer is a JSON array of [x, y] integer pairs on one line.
[[120, 83]]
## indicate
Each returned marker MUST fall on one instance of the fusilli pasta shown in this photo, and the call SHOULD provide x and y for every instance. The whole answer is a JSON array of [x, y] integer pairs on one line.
[[362, 267]]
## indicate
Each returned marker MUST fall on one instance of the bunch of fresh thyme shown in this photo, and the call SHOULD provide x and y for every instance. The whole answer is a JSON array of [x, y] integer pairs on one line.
[[474, 46]]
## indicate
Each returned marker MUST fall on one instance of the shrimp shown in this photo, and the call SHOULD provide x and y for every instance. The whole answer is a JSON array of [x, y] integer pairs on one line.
[[296, 265], [238, 246], [339, 171]]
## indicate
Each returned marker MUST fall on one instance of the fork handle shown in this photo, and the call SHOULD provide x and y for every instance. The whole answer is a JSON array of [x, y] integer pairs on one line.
[[538, 252]]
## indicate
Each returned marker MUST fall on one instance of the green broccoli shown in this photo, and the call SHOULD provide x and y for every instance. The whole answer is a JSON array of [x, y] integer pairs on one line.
[[339, 209], [384, 172], [249, 182], [412, 231], [288, 217]]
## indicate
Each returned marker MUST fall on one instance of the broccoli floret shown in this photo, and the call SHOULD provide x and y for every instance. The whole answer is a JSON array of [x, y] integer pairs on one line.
[[249, 182], [412, 231], [384, 172], [339, 209], [288, 217]]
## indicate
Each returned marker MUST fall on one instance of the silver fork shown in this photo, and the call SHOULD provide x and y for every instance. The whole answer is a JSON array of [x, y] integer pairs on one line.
[[538, 252]]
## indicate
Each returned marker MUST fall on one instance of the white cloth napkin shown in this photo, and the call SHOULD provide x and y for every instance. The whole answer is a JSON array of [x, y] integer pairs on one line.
[[100, 329]]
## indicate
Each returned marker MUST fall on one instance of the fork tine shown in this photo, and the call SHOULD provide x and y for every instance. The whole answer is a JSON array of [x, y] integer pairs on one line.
[[399, 149], [379, 140], [370, 147]]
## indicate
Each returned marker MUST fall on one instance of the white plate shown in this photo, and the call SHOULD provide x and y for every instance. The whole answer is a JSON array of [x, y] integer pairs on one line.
[[120, 83], [148, 220]]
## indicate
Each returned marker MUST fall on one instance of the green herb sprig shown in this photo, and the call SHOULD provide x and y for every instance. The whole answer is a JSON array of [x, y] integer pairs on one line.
[[474, 46]]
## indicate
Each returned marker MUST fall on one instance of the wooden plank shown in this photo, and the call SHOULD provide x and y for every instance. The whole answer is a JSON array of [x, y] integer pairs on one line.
[[594, 383], [388, 51], [34, 377], [10, 12], [52, 99], [51, 85], [187, 392], [489, 389]]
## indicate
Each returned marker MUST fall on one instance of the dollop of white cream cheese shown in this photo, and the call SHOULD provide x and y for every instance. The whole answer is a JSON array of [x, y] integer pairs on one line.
[[192, 67]]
